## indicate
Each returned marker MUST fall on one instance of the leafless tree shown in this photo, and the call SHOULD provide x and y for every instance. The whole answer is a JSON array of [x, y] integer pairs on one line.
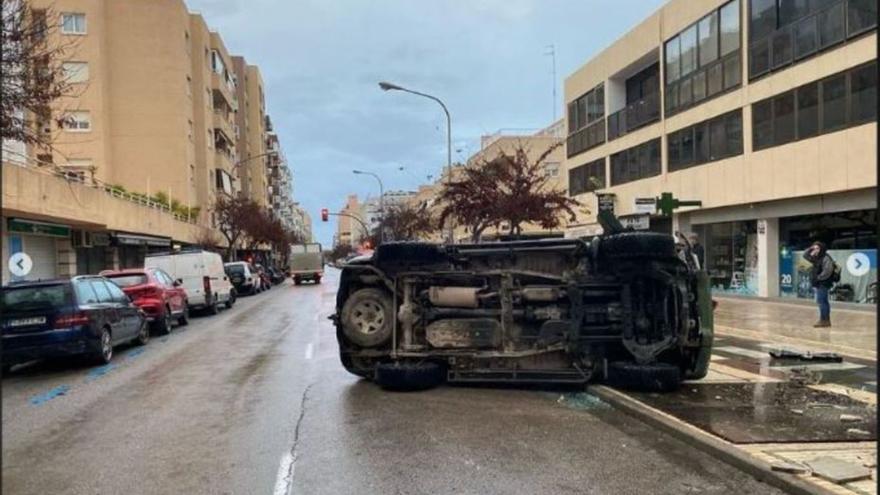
[[403, 222], [32, 76], [234, 217]]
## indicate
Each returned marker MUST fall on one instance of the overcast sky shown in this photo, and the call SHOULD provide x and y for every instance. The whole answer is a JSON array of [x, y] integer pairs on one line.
[[321, 61]]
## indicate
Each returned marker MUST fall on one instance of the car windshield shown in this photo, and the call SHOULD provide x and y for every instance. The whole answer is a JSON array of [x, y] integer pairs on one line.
[[128, 279], [235, 269], [34, 297]]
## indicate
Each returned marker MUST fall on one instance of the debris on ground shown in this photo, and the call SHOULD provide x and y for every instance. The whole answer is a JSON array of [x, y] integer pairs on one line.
[[801, 377], [792, 353], [789, 467], [850, 418], [837, 470], [857, 431], [799, 412]]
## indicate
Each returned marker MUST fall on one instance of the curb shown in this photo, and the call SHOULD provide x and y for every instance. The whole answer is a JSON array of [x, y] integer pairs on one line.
[[783, 339], [714, 446]]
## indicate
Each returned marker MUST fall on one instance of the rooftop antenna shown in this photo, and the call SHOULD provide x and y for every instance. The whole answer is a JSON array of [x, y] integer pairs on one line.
[[551, 51]]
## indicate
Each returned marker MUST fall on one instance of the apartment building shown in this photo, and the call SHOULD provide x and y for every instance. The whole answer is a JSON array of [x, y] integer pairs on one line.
[[763, 110], [351, 230], [251, 122]]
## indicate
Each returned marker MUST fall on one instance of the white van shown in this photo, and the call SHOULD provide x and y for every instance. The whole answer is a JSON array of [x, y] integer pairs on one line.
[[202, 275]]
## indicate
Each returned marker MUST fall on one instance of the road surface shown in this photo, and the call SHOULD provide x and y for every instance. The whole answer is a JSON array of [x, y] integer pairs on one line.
[[254, 401]]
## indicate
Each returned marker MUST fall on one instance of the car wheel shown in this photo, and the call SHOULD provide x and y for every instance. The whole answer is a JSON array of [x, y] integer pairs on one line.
[[297, 281], [183, 319], [104, 354], [143, 335], [231, 300], [317, 280], [367, 317], [637, 244], [410, 375], [654, 377], [163, 325]]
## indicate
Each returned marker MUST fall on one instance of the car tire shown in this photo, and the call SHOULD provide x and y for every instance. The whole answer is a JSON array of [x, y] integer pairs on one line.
[[410, 375], [368, 317], [297, 281], [163, 325], [637, 244], [143, 336], [183, 319], [231, 300], [317, 280], [104, 354], [654, 377]]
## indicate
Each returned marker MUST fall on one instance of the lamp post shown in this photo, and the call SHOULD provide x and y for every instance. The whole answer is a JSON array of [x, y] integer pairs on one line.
[[387, 86], [381, 203]]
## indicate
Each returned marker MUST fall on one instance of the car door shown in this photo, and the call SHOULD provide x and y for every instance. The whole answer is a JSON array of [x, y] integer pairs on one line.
[[129, 313], [109, 310]]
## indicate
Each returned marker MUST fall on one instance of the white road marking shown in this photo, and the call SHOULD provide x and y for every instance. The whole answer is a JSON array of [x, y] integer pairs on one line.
[[284, 477], [822, 366], [309, 351], [744, 352]]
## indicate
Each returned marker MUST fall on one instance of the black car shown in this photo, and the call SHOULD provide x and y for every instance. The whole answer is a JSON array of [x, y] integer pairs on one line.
[[276, 275], [85, 315]]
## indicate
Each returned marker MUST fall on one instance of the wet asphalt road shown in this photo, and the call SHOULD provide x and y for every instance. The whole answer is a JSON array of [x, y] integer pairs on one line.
[[254, 401]]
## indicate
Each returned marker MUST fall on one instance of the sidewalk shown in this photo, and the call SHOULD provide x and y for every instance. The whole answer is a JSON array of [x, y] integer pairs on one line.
[[854, 332]]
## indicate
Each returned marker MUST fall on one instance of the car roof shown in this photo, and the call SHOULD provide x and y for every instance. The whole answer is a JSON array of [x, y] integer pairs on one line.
[[235, 263], [126, 271]]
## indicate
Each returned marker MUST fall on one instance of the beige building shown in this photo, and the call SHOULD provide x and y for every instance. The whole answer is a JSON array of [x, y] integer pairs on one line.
[[763, 111], [349, 230], [250, 128]]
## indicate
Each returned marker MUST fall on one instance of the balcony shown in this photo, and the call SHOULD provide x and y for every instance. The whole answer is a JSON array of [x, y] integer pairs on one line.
[[634, 116], [221, 123], [586, 138], [219, 86]]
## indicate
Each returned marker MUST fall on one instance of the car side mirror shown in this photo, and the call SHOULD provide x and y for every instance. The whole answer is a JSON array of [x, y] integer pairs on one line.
[[178, 282]]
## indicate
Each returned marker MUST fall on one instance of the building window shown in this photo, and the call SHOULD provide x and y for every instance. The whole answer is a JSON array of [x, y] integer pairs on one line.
[[638, 162], [551, 169], [834, 103], [784, 31], [703, 60], [586, 123], [79, 121], [642, 103], [711, 140], [586, 178], [75, 72], [73, 23]]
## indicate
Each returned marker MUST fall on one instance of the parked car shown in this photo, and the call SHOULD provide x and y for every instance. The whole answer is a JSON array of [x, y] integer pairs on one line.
[[162, 298], [306, 262], [201, 275], [85, 315], [626, 307], [264, 276], [276, 275], [261, 285], [243, 277]]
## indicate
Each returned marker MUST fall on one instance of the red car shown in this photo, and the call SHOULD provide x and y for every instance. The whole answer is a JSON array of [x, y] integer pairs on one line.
[[156, 293]]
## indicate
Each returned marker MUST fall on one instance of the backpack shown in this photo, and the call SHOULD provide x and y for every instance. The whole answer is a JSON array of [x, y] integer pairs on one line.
[[835, 273]]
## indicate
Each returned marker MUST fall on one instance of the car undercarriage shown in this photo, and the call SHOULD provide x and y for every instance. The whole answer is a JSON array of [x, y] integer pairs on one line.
[[628, 308]]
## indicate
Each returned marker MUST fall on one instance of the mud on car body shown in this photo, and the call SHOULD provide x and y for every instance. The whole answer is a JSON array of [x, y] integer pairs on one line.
[[629, 308]]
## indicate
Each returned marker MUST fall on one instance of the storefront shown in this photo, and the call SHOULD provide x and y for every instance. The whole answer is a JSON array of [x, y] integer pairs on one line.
[[39, 240], [851, 238], [731, 255], [131, 249]]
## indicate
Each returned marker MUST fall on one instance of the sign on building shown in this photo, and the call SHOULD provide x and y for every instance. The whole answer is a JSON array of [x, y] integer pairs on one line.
[[606, 202], [636, 222], [645, 205]]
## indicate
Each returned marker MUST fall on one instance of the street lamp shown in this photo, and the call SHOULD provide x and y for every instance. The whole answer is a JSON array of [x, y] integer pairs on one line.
[[387, 86], [381, 203]]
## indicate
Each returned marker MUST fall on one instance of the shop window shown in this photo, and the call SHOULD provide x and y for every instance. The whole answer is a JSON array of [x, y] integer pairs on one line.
[[861, 16], [863, 89], [831, 26], [783, 119], [805, 38], [834, 103], [762, 125], [808, 110], [731, 258]]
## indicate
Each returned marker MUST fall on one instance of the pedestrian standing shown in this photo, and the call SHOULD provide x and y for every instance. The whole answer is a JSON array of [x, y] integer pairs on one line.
[[698, 249], [821, 278]]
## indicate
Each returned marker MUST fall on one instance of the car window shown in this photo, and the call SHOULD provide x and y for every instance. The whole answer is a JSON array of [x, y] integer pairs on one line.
[[164, 279], [34, 297], [117, 294], [101, 290], [85, 294]]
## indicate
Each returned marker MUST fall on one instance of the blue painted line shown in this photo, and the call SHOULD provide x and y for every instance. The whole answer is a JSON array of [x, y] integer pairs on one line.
[[55, 392], [99, 372], [135, 353]]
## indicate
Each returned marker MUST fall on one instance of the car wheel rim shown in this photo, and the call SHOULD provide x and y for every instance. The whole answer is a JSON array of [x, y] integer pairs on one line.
[[106, 346], [368, 317], [167, 320]]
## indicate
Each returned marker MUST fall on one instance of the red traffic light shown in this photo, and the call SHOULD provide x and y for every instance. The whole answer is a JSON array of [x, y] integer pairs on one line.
[[325, 214]]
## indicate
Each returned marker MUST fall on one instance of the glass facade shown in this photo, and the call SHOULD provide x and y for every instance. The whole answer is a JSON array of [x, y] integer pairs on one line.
[[731, 256]]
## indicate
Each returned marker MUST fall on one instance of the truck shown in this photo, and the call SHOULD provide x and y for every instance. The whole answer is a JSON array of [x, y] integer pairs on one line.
[[306, 262], [628, 308]]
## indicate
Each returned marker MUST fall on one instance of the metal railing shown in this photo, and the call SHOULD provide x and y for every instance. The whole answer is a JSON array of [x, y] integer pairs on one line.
[[633, 116]]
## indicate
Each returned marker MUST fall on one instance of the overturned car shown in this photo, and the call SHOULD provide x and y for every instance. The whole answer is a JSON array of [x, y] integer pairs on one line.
[[629, 308]]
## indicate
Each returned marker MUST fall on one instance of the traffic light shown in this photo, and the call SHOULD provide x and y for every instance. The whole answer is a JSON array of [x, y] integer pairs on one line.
[[325, 214]]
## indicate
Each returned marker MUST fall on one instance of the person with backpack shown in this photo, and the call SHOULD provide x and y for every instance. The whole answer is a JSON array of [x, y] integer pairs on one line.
[[824, 273]]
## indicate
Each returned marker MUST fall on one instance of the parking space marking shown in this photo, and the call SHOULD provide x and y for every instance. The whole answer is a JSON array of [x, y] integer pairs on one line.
[[98, 372], [309, 351], [58, 391]]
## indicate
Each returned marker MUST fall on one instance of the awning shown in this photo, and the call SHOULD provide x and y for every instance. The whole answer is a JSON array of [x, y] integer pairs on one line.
[[125, 239]]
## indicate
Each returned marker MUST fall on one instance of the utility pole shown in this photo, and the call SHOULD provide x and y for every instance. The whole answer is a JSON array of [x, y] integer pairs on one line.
[[552, 54]]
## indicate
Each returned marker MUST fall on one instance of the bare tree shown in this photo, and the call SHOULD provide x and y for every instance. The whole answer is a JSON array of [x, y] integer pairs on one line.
[[233, 217], [403, 222], [506, 189], [32, 75]]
